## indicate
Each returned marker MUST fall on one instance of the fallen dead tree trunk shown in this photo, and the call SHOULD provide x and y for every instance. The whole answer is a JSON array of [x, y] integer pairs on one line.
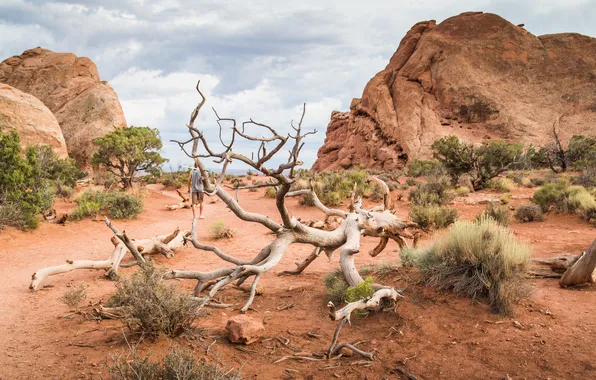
[[582, 271], [186, 202], [163, 244], [571, 269]]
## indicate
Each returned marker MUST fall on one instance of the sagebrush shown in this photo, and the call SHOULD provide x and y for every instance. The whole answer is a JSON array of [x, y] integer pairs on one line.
[[480, 260]]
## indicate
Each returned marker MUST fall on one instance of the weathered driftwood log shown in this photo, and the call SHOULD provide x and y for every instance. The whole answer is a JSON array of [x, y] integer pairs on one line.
[[163, 244], [186, 202], [583, 270], [552, 267]]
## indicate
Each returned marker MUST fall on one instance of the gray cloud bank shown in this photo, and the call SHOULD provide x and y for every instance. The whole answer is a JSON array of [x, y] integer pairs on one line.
[[259, 59]]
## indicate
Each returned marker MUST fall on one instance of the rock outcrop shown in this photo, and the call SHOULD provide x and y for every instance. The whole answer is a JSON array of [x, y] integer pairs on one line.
[[34, 122], [475, 75], [85, 107]]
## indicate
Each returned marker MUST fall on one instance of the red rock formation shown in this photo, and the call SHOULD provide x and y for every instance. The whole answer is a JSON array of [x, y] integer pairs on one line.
[[69, 86], [474, 75], [33, 121]]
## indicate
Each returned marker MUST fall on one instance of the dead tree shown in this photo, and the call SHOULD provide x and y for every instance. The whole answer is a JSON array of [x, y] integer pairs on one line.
[[186, 203], [572, 270], [288, 230], [163, 244]]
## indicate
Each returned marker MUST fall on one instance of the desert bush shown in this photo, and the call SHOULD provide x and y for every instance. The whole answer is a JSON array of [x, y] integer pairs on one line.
[[461, 191], [502, 185], [425, 168], [480, 260], [334, 186], [433, 216], [412, 182], [307, 200], [376, 194], [552, 194], [505, 198], [63, 191], [336, 286], [482, 163], [529, 213], [537, 181], [251, 172], [104, 178], [25, 190], [73, 296], [500, 214], [153, 306], [435, 192], [59, 171], [116, 204], [361, 291], [175, 179], [270, 193], [120, 205], [178, 364], [219, 230]]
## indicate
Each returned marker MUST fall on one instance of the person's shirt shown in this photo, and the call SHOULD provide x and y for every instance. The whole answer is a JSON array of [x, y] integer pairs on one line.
[[197, 183]]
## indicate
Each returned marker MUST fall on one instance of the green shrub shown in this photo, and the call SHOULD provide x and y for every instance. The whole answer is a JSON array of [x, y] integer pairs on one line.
[[505, 198], [552, 194], [178, 364], [529, 213], [24, 189], [435, 192], [361, 291], [412, 182], [270, 193], [482, 163], [331, 198], [60, 171], [336, 287], [219, 230], [64, 191], [480, 260], [462, 191], [334, 186], [425, 168], [307, 200], [120, 205], [73, 296], [433, 216], [153, 306], [175, 179], [116, 204], [537, 181], [500, 214], [502, 185]]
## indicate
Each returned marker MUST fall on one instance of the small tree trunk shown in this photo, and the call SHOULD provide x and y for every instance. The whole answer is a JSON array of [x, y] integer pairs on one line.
[[583, 270]]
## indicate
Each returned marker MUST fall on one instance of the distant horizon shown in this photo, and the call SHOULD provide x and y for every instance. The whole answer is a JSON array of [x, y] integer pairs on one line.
[[258, 59]]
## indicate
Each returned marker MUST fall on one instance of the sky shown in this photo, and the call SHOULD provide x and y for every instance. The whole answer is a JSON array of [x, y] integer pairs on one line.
[[255, 59]]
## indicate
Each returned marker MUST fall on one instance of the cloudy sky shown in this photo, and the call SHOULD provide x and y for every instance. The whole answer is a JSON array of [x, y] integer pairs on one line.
[[259, 59]]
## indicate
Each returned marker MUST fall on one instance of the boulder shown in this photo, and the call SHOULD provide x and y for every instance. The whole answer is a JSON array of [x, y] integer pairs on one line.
[[243, 329], [474, 75], [34, 122], [85, 107]]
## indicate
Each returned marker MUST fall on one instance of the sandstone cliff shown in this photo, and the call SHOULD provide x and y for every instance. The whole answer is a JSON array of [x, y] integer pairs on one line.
[[474, 75], [69, 86], [27, 115]]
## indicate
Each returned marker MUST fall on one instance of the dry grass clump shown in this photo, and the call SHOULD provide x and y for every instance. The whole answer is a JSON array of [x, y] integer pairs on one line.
[[218, 230], [480, 260], [529, 213], [432, 216], [500, 214], [178, 364], [73, 296], [152, 306], [270, 193]]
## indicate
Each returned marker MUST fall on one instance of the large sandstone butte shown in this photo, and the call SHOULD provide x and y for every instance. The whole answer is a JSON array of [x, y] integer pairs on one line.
[[475, 75], [85, 107], [32, 120]]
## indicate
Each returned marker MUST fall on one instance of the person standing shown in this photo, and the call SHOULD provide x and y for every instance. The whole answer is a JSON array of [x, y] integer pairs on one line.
[[196, 191]]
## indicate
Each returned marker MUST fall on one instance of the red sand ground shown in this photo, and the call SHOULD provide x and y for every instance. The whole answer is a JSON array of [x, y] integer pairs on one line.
[[437, 335]]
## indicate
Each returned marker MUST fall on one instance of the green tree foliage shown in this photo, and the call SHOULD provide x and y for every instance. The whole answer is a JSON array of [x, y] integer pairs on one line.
[[24, 191], [128, 150], [482, 163], [59, 171]]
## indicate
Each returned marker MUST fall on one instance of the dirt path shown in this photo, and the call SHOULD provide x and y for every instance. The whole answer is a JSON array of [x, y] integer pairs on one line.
[[444, 336]]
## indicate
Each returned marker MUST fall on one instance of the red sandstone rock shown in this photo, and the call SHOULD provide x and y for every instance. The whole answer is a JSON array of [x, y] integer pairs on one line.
[[69, 86], [33, 121], [473, 75], [243, 329]]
